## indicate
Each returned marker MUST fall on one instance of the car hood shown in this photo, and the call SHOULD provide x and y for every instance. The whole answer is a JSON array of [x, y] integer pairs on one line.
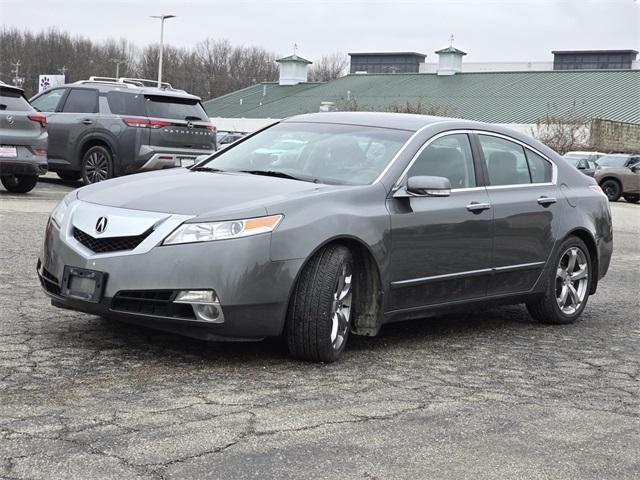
[[184, 192]]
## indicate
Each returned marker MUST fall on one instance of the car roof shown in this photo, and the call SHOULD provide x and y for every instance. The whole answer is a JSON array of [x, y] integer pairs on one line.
[[6, 86], [399, 121], [109, 87]]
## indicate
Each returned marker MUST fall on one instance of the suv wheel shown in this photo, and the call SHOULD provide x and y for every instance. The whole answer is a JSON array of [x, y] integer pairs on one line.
[[97, 165], [319, 316], [69, 176], [632, 197], [612, 189], [568, 285], [19, 183]]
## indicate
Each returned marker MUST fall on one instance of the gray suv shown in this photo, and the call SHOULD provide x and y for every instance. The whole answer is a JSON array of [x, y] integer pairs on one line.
[[23, 141], [105, 127]]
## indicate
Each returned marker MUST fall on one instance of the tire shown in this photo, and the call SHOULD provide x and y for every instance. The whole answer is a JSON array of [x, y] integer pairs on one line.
[[19, 183], [632, 197], [320, 310], [611, 189], [69, 176], [548, 309], [97, 165]]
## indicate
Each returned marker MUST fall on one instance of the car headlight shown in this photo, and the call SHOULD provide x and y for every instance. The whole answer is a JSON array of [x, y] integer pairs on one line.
[[211, 231], [58, 213]]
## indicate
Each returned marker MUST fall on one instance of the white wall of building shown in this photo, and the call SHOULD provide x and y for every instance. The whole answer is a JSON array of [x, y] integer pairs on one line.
[[475, 67], [244, 125]]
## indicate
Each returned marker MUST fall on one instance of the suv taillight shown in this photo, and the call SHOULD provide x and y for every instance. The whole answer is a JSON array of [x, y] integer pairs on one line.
[[145, 123], [211, 127], [40, 118]]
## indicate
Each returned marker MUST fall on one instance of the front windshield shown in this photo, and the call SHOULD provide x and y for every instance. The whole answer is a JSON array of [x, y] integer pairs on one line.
[[613, 161], [318, 152]]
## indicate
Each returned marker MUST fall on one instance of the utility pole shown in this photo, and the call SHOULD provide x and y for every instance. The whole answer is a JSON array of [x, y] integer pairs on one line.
[[117, 61], [162, 18], [17, 80], [62, 72]]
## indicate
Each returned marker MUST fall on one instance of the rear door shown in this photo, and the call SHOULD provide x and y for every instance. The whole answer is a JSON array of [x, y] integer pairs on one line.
[[524, 197], [18, 133], [182, 123]]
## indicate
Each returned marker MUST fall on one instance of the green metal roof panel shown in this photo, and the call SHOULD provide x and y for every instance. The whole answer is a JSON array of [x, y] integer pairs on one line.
[[497, 97]]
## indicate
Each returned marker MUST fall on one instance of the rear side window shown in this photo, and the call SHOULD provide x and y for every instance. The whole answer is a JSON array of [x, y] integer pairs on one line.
[[540, 168], [506, 161], [125, 103], [450, 157], [49, 101], [81, 101], [176, 108], [13, 101]]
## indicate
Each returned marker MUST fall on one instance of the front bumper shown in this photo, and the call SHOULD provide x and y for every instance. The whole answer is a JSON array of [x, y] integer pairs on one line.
[[253, 290]]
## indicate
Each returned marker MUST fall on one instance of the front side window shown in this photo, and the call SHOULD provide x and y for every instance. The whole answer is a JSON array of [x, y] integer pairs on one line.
[[319, 152], [506, 161], [450, 157], [49, 101], [613, 160], [81, 100]]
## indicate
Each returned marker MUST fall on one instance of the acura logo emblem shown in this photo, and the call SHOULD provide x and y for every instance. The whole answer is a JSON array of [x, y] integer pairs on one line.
[[101, 224]]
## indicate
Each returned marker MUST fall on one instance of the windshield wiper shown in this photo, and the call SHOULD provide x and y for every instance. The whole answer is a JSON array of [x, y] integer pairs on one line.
[[206, 169], [274, 173], [191, 117]]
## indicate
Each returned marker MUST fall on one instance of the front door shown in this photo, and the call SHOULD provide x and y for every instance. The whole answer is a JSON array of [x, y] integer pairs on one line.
[[441, 246]]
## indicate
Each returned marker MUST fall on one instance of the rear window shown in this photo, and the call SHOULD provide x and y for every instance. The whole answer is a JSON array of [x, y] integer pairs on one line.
[[125, 103], [13, 101], [175, 108], [613, 161]]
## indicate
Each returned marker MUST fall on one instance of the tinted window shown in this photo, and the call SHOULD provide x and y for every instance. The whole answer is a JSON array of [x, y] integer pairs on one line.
[[13, 101], [124, 103], [450, 157], [175, 108], [506, 161], [327, 153], [49, 101], [81, 101], [540, 168]]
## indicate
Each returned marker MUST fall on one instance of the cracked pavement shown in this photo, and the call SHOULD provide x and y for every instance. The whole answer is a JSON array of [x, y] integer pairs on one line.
[[488, 394]]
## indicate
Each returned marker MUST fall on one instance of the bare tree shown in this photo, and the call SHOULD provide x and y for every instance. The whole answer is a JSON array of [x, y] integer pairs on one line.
[[419, 108], [563, 133], [329, 67]]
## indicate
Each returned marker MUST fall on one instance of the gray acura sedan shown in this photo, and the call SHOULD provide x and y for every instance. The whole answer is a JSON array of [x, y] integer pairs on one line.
[[372, 218]]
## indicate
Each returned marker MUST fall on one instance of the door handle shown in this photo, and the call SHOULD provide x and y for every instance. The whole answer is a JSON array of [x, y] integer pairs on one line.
[[476, 207], [86, 121], [546, 201]]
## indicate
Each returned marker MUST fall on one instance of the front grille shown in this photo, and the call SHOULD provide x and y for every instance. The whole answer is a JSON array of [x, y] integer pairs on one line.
[[151, 302], [111, 244], [49, 282]]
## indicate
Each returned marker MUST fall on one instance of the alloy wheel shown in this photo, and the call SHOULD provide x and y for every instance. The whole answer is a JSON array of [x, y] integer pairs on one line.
[[341, 307], [572, 280], [97, 167]]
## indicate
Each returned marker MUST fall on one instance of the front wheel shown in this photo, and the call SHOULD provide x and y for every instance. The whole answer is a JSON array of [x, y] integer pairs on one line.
[[632, 197], [320, 311], [19, 183], [97, 165], [568, 285], [611, 189]]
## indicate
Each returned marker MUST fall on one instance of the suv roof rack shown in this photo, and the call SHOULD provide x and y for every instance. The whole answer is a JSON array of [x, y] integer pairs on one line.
[[129, 82], [144, 82]]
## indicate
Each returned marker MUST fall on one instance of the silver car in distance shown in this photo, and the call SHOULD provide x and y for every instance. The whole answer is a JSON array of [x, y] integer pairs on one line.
[[362, 219]]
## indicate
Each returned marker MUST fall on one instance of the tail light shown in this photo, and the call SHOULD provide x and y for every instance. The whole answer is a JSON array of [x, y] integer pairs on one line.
[[597, 189], [39, 151], [211, 127], [145, 123], [40, 118]]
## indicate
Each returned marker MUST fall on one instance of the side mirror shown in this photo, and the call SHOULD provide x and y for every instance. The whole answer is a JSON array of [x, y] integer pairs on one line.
[[423, 186], [635, 168]]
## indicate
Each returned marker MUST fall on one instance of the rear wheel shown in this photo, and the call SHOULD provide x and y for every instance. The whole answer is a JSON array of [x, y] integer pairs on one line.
[[567, 287], [611, 189], [69, 176], [319, 316], [19, 183], [632, 197], [97, 165]]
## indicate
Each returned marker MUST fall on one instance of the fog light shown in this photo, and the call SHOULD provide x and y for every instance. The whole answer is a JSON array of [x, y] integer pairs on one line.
[[205, 304]]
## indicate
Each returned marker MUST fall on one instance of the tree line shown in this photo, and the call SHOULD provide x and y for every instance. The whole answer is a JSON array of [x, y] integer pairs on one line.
[[212, 68]]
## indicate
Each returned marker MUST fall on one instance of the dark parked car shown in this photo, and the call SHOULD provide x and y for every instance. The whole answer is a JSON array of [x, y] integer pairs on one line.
[[619, 175], [102, 128], [380, 217], [23, 141], [227, 138], [586, 162]]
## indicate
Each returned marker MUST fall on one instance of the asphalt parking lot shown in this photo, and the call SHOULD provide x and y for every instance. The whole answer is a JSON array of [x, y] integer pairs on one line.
[[489, 394]]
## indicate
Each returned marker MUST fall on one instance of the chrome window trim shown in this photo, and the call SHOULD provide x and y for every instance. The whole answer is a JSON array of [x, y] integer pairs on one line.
[[397, 155], [401, 178]]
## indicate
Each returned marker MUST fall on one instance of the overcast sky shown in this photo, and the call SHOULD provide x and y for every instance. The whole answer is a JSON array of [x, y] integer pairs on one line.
[[489, 30]]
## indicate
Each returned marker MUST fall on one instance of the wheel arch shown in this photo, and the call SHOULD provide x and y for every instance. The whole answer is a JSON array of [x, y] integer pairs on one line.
[[610, 177], [93, 141], [369, 290], [587, 237]]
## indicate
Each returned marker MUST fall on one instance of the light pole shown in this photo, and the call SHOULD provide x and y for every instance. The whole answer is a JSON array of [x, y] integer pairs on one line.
[[162, 19], [117, 61]]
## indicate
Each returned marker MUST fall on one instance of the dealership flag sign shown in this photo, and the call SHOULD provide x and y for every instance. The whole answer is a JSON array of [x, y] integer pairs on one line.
[[49, 81]]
